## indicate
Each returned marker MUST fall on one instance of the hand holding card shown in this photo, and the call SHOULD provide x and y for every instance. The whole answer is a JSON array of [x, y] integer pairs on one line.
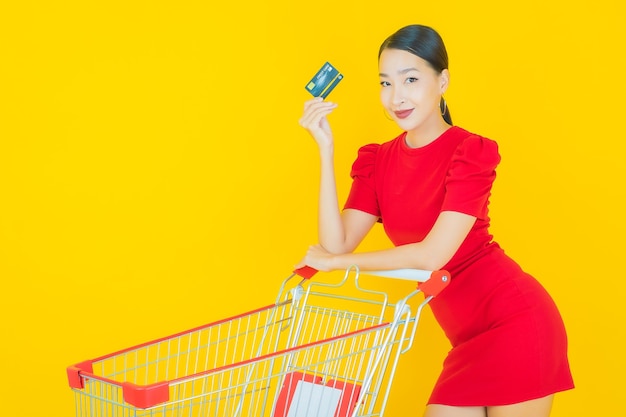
[[324, 81]]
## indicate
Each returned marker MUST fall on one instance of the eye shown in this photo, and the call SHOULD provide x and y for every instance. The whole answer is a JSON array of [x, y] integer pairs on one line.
[[385, 84], [411, 80]]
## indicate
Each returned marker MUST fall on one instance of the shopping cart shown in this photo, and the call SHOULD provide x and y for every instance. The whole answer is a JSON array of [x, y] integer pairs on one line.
[[317, 351]]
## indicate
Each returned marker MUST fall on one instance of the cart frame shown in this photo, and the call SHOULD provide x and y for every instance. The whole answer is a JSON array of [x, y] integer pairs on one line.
[[298, 354]]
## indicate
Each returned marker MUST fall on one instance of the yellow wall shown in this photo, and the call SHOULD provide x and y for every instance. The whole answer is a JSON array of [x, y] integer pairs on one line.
[[153, 176]]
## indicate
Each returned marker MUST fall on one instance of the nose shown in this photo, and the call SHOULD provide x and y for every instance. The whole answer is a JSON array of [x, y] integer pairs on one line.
[[397, 97]]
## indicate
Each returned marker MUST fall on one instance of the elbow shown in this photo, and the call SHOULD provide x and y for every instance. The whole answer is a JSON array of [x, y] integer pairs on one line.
[[336, 249], [338, 246], [432, 265], [430, 259]]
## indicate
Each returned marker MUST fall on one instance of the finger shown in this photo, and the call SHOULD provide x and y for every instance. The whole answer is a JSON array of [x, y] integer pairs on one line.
[[315, 114], [311, 102], [314, 104], [313, 122]]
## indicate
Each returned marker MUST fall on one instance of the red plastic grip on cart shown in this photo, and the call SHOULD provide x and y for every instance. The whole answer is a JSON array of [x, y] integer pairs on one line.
[[146, 396], [436, 283], [305, 272], [73, 374]]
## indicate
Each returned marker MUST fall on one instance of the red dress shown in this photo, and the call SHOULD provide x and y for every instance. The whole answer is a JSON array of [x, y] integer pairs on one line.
[[508, 340]]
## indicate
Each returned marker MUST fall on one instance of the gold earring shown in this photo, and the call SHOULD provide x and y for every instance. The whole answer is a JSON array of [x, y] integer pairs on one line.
[[443, 106]]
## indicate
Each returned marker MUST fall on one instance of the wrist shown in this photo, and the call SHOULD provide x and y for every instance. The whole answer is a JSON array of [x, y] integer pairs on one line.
[[336, 262], [327, 150]]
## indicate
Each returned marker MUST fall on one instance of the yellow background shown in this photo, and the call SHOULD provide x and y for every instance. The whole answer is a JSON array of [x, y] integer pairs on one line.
[[153, 176]]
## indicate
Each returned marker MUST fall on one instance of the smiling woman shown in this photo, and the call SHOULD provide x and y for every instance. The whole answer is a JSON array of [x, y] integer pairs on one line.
[[153, 175], [430, 188]]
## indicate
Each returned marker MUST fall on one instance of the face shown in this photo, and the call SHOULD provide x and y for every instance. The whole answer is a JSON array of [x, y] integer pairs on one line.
[[410, 89]]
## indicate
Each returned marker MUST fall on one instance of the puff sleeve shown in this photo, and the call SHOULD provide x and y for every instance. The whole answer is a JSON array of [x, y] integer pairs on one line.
[[363, 191], [470, 177]]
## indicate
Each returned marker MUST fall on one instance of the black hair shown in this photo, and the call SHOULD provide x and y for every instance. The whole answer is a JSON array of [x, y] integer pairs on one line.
[[424, 42]]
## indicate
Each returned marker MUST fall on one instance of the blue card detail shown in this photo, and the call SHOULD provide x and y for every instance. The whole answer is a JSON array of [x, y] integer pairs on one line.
[[324, 81]]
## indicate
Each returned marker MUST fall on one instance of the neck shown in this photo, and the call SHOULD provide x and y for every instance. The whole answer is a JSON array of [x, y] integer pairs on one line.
[[426, 133]]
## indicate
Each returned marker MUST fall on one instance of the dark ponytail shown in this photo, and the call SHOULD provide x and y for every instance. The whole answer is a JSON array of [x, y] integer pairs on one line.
[[445, 112], [426, 43]]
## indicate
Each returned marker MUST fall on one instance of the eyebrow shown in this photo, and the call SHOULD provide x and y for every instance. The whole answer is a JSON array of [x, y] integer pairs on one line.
[[404, 71]]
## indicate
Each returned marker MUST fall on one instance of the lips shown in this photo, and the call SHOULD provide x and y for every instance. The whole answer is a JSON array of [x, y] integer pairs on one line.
[[403, 114]]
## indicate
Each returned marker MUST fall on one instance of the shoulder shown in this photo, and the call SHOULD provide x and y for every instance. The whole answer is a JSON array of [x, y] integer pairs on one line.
[[368, 151], [477, 148], [369, 154], [365, 160]]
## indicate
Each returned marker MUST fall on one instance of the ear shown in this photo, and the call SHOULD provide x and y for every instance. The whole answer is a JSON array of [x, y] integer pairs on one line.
[[444, 80]]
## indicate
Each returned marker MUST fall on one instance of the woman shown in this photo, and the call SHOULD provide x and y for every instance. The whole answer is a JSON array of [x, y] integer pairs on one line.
[[430, 188]]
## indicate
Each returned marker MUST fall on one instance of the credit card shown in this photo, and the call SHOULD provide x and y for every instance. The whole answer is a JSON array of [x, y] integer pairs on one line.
[[324, 81]]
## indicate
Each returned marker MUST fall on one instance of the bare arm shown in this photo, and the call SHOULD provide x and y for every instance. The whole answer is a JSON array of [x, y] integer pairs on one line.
[[338, 232], [431, 254]]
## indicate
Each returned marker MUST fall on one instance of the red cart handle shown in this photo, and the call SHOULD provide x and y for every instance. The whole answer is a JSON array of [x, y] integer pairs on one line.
[[305, 272]]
